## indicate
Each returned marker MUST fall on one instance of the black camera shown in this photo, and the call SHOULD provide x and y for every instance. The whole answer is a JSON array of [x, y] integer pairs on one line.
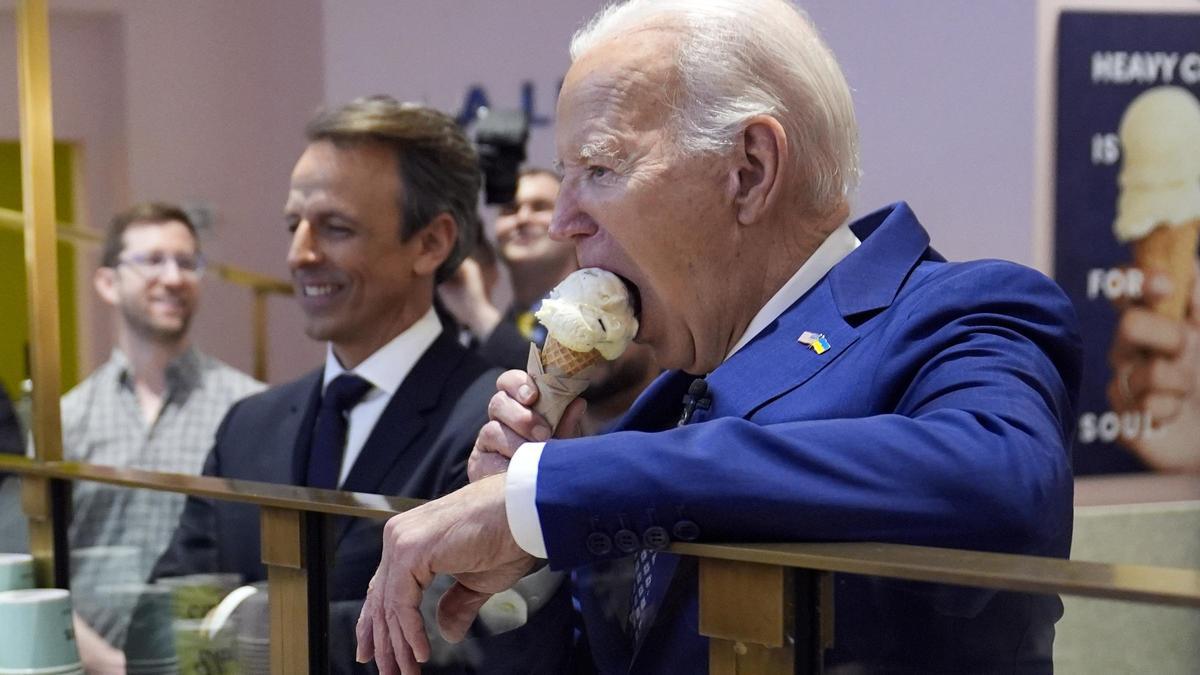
[[500, 139]]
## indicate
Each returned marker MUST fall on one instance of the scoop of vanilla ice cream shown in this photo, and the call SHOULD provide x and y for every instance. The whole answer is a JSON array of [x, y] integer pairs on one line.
[[590, 309], [1160, 174]]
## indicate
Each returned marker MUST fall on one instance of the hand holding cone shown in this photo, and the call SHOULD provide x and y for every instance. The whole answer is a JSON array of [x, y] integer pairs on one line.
[[588, 317]]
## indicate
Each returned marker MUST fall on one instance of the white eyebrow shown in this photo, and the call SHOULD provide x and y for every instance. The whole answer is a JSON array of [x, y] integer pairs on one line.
[[604, 148]]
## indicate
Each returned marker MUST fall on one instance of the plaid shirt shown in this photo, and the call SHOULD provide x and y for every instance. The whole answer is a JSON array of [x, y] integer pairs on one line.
[[103, 424]]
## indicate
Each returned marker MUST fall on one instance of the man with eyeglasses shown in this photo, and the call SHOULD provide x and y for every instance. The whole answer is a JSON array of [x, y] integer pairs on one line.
[[154, 405]]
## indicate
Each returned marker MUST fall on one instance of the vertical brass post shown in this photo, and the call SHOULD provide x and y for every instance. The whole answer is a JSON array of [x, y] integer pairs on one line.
[[46, 501], [41, 260], [295, 552], [746, 611], [41, 257]]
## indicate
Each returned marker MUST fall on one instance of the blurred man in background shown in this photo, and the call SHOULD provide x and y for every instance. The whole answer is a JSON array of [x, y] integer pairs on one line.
[[153, 405], [535, 264]]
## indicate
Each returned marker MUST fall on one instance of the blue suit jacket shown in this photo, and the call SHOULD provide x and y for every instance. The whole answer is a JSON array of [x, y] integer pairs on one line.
[[939, 416]]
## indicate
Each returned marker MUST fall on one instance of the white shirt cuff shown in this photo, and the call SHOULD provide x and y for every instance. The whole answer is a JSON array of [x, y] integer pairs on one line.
[[520, 499]]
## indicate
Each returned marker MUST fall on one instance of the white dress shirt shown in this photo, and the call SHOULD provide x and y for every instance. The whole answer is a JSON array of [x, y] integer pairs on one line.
[[385, 370], [520, 487]]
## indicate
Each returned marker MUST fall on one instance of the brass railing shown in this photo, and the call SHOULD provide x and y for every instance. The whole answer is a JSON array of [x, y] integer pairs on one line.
[[767, 608]]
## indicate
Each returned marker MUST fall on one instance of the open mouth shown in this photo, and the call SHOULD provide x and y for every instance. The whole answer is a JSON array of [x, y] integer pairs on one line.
[[635, 296]]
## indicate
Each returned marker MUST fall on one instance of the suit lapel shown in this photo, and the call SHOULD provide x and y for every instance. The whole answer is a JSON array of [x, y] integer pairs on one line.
[[404, 420], [405, 416], [302, 415], [865, 282], [776, 362]]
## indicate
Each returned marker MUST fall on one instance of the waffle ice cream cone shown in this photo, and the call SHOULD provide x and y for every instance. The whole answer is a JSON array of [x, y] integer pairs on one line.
[[588, 317], [1171, 250], [558, 359], [556, 389]]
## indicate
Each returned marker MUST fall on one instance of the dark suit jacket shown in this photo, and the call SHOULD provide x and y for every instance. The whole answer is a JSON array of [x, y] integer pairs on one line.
[[940, 415], [418, 449], [11, 442]]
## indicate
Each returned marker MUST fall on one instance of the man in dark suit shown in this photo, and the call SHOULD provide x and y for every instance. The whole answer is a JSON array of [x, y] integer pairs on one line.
[[381, 207], [11, 441]]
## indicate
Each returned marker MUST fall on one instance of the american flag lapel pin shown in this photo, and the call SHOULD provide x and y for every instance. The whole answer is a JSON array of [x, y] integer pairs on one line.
[[817, 341]]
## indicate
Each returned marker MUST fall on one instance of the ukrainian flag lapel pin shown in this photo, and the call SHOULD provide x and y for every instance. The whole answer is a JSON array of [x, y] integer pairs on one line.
[[817, 341]]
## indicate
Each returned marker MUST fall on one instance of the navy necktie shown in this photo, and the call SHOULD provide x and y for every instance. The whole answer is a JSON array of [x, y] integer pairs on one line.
[[697, 398], [329, 435]]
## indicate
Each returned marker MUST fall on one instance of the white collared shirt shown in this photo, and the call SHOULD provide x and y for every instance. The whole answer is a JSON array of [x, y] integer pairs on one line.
[[520, 487], [385, 370]]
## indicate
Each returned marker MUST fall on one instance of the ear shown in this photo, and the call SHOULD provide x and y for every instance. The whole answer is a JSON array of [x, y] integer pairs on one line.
[[434, 244], [105, 281], [760, 164]]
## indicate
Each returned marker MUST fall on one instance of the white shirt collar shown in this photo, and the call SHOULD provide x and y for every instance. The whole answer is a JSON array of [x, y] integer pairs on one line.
[[391, 363], [839, 244]]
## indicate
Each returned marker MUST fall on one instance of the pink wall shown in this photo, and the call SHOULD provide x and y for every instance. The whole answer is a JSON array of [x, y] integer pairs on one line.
[[189, 101], [89, 93], [219, 93], [944, 91], [945, 99], [206, 101]]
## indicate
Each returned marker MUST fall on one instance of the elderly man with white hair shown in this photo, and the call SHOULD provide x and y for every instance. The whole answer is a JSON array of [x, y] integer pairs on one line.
[[856, 385]]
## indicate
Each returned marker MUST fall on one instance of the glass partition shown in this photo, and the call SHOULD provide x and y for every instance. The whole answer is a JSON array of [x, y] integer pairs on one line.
[[146, 111]]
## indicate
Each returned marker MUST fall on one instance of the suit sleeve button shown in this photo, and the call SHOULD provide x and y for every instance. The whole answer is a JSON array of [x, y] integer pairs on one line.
[[656, 538], [599, 543], [627, 541], [686, 530]]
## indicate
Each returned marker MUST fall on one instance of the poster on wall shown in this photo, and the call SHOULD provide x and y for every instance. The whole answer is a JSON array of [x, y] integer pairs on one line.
[[1126, 222]]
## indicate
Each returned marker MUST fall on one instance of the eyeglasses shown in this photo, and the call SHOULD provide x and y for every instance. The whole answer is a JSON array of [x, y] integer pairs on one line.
[[155, 265]]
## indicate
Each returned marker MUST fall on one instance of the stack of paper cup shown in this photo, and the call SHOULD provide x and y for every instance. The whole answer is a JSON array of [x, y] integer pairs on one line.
[[97, 567], [253, 622], [150, 642], [16, 571], [36, 633]]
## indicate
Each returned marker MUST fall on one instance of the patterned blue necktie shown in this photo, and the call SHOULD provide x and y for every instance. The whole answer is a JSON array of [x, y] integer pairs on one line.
[[697, 397], [329, 434], [641, 592]]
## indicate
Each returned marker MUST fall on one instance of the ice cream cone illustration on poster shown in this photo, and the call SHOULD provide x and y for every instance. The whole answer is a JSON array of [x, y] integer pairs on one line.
[[1158, 211], [1158, 215]]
